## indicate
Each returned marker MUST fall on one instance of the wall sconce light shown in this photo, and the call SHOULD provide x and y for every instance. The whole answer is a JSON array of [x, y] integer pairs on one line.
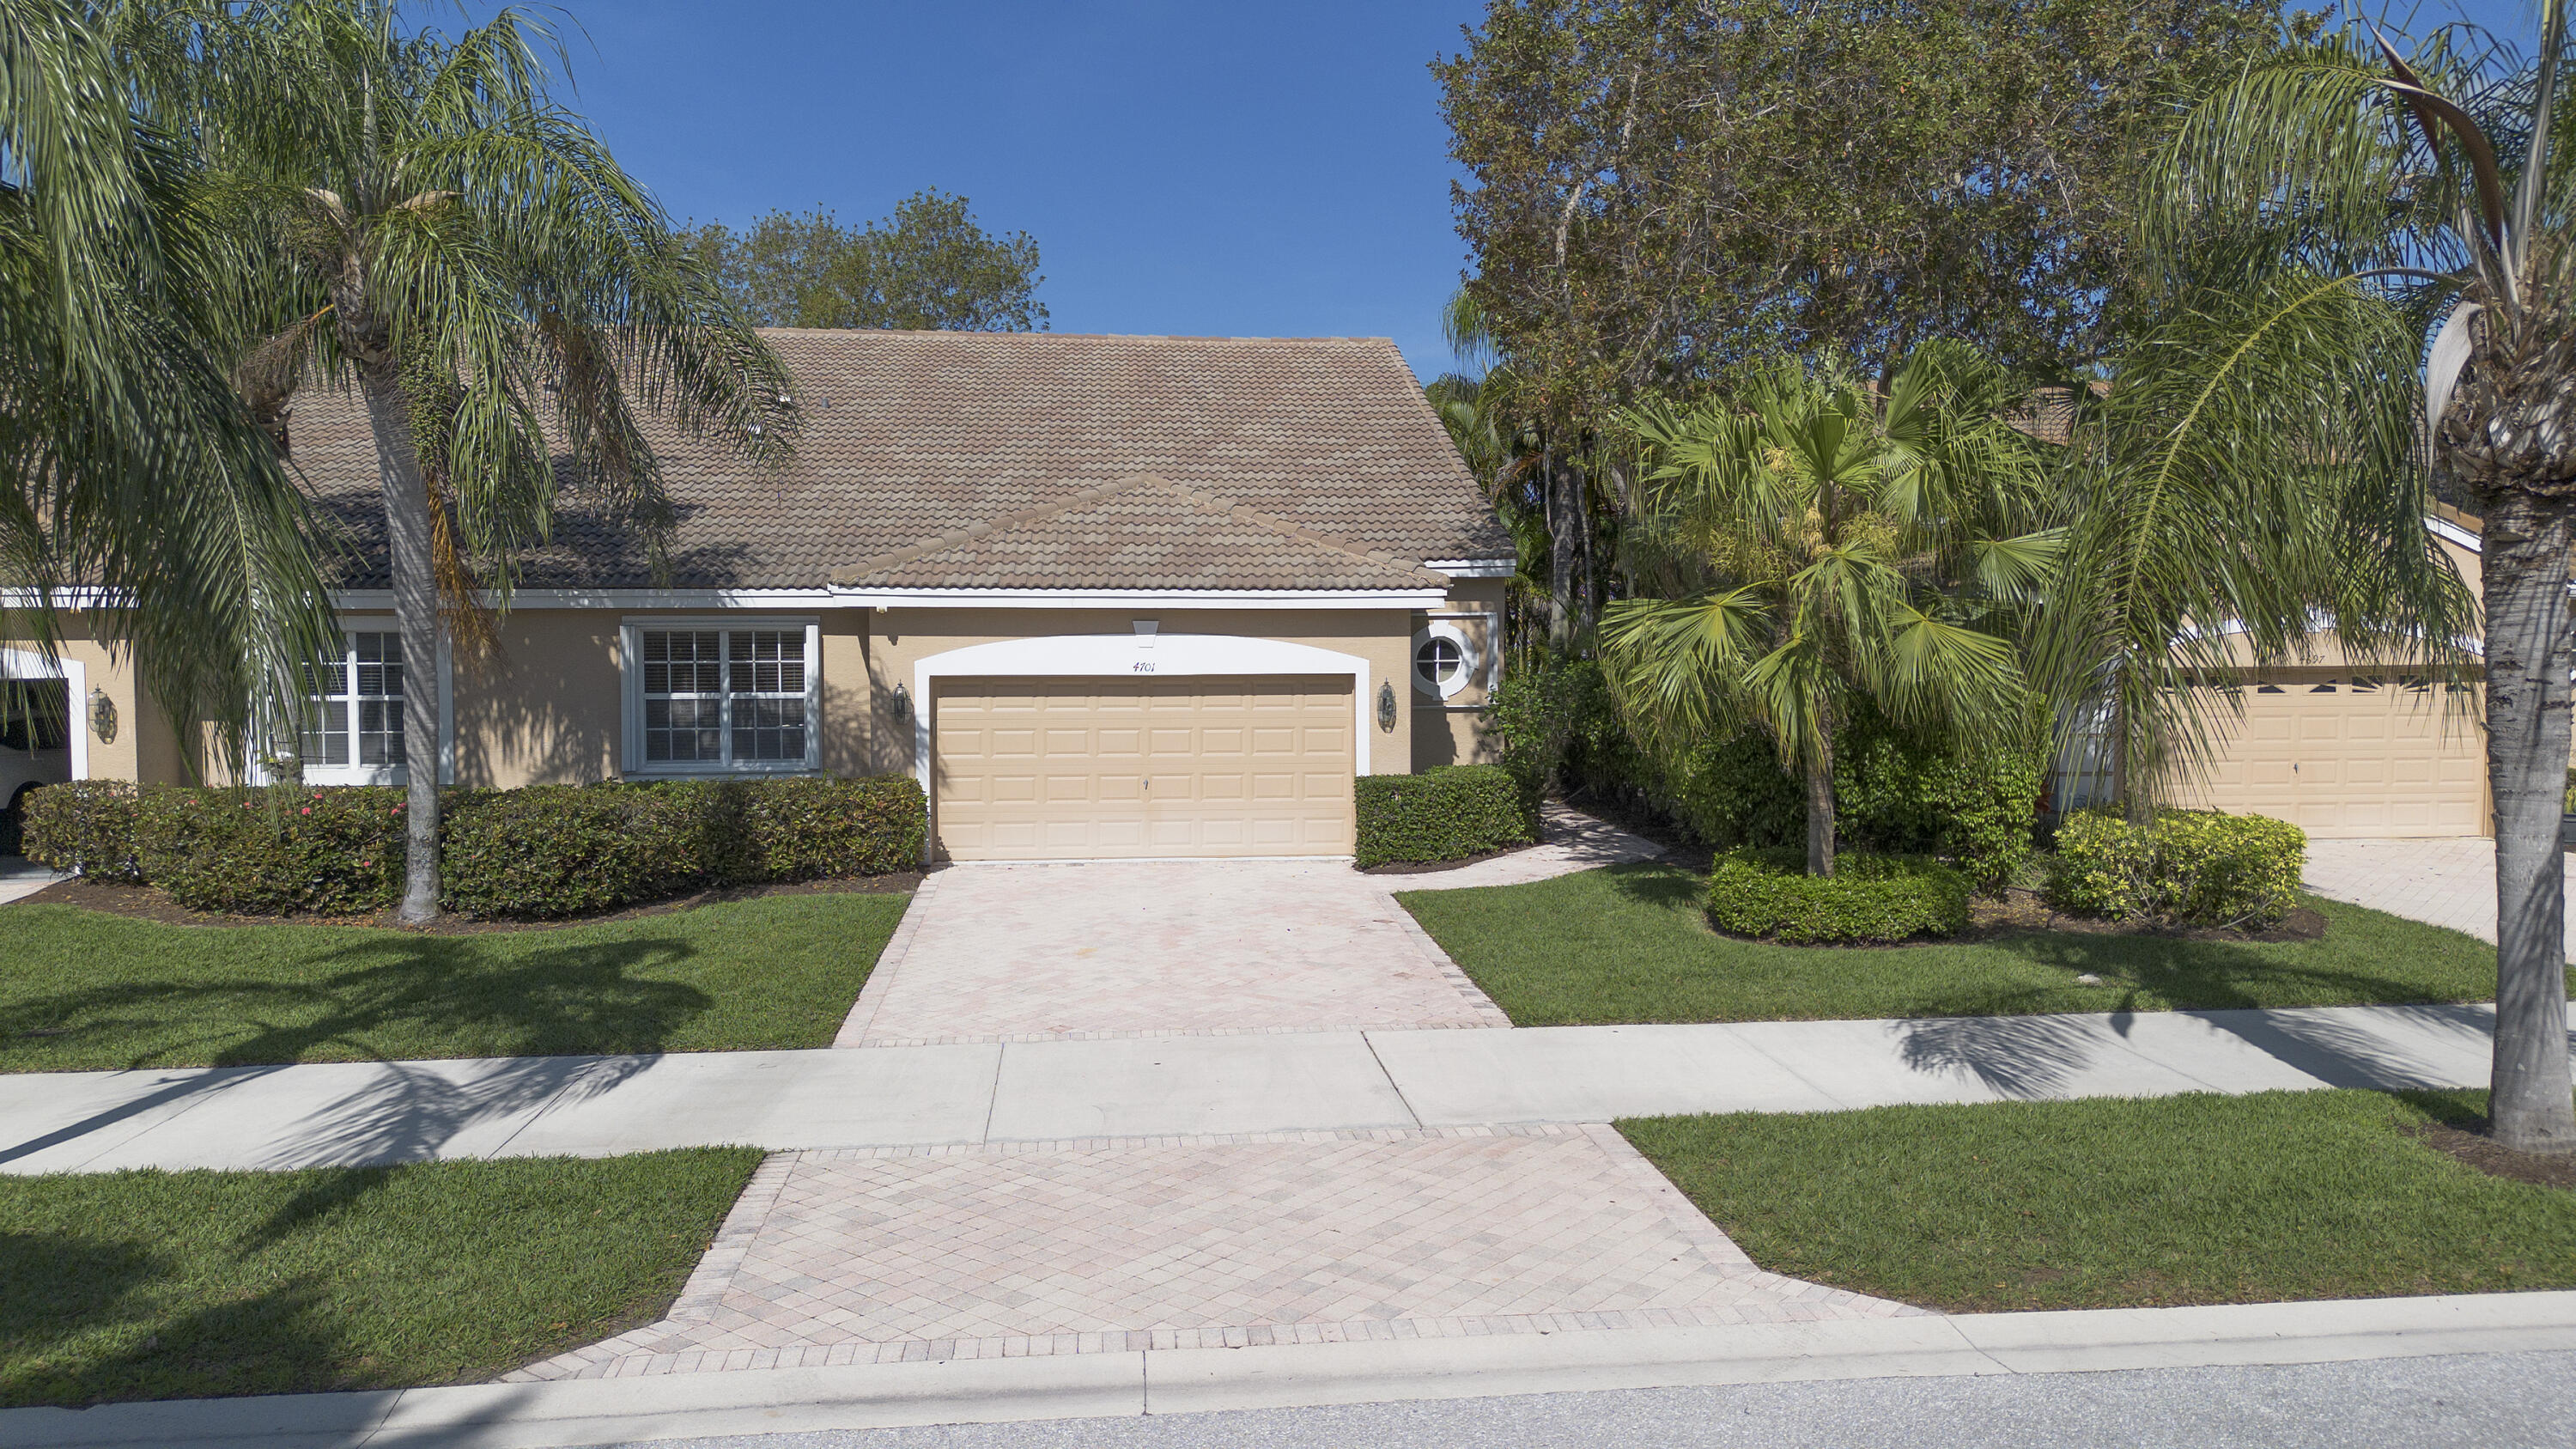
[[902, 703], [1386, 707], [102, 716]]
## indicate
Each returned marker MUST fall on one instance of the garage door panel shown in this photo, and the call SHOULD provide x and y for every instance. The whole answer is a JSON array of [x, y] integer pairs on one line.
[[2347, 763], [1143, 767]]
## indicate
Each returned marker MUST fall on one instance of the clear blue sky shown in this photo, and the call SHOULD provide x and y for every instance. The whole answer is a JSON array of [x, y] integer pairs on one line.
[[1215, 167], [1245, 167]]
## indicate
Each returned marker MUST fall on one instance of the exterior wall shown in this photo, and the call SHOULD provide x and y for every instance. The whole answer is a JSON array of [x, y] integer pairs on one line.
[[1456, 731], [547, 706], [147, 747], [900, 638]]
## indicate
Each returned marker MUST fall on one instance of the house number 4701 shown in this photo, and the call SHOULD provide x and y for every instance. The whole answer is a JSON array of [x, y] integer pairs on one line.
[[1143, 666]]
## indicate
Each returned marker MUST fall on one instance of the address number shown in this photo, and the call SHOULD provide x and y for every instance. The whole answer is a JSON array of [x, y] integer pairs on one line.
[[1143, 666]]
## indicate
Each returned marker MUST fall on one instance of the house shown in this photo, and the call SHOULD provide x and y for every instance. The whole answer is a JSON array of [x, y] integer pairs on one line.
[[2341, 748], [1103, 596]]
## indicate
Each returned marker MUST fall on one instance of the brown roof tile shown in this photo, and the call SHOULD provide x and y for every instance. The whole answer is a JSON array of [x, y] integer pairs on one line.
[[1321, 450]]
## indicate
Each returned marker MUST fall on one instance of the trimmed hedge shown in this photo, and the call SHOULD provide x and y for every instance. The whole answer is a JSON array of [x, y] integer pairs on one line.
[[532, 853], [1755, 892], [1448, 812], [87, 826], [2197, 867]]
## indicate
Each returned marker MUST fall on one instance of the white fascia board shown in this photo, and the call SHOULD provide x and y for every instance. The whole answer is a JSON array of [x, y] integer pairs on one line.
[[1141, 598], [1473, 568], [2450, 532], [383, 599]]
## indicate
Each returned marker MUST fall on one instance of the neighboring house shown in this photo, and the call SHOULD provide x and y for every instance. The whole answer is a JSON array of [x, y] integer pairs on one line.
[[1103, 596], [2341, 751]]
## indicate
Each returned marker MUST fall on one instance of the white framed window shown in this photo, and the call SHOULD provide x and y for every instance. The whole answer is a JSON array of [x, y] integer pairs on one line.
[[1444, 660], [352, 730], [722, 696]]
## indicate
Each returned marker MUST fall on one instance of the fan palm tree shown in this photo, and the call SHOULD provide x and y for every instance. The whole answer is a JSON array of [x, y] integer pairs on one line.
[[2377, 272], [1855, 546], [133, 487], [427, 226]]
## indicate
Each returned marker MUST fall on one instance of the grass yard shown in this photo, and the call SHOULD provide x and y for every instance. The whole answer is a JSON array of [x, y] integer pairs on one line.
[[159, 1285], [84, 989], [2120, 1203], [1630, 943]]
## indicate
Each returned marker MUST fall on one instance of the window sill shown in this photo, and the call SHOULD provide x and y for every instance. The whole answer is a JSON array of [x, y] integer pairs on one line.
[[666, 771]]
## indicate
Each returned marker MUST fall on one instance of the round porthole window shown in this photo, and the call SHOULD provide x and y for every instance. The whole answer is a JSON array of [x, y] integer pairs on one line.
[[1442, 661]]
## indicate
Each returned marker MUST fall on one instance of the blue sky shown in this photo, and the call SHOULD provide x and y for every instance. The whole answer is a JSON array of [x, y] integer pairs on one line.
[[1242, 167]]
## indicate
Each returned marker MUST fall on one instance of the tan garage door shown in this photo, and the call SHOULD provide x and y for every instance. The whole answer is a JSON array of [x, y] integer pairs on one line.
[[1057, 769], [2340, 756]]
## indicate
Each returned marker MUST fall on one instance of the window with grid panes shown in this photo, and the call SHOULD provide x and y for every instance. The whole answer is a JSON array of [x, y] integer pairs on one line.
[[724, 696], [354, 706]]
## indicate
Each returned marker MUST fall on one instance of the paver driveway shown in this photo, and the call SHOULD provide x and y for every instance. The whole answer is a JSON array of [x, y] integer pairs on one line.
[[2447, 881], [876, 1256], [1157, 948]]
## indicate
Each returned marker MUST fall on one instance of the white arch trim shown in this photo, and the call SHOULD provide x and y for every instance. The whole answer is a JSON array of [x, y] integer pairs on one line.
[[23, 664], [1128, 656]]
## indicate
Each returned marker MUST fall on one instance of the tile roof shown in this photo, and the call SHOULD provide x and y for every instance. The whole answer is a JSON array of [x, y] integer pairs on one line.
[[1274, 462], [1143, 533]]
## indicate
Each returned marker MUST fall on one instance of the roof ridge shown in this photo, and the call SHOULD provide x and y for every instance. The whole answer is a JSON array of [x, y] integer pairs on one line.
[[969, 336]]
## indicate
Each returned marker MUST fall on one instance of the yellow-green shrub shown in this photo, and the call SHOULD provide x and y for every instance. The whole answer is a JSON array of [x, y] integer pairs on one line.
[[2197, 867], [1756, 892]]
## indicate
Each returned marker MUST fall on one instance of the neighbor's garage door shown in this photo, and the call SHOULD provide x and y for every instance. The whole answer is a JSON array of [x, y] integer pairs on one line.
[[1049, 769], [2345, 757]]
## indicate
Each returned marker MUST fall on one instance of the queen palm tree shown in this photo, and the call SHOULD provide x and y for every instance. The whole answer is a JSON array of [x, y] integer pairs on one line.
[[426, 225], [133, 488], [1854, 546], [2375, 273]]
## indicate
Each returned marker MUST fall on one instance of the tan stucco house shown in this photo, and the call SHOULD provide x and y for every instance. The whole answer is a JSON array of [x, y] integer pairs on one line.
[[1103, 596]]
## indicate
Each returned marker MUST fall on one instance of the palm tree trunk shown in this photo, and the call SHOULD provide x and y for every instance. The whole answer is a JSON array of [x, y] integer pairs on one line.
[[407, 539], [2524, 554], [1820, 811], [1563, 521]]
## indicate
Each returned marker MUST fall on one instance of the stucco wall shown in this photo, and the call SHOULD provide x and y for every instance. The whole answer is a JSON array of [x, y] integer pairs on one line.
[[1454, 731], [146, 746]]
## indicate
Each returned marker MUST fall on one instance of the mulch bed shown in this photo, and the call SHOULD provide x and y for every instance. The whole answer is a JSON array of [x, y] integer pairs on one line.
[[143, 903], [2020, 910], [2479, 1152]]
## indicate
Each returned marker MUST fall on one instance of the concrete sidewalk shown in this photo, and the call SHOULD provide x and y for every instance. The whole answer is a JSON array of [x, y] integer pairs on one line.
[[369, 1112], [1198, 1380]]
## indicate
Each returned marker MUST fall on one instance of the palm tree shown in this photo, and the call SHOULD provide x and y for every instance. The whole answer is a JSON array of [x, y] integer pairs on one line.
[[2376, 272], [133, 488], [1854, 546], [428, 226]]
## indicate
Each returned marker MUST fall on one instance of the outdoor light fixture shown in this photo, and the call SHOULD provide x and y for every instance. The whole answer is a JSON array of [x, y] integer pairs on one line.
[[102, 716], [902, 703], [1386, 708]]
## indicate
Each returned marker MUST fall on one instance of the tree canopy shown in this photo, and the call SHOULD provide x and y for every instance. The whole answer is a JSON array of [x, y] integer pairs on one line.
[[1658, 187], [929, 266]]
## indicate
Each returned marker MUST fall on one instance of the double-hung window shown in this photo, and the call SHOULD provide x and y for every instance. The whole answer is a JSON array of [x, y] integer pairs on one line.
[[352, 729], [729, 697]]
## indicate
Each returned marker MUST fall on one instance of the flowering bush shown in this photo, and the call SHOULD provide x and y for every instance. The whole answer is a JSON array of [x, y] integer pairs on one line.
[[2191, 866]]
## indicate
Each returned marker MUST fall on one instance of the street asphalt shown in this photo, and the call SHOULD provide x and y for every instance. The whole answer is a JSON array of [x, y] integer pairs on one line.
[[2469, 1401]]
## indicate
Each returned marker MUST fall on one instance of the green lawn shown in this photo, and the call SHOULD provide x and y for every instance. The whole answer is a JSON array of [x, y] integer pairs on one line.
[[82, 989], [1630, 943], [158, 1285], [2117, 1203]]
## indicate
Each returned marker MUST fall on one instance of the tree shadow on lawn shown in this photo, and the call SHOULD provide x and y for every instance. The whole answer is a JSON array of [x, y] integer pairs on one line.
[[400, 995]]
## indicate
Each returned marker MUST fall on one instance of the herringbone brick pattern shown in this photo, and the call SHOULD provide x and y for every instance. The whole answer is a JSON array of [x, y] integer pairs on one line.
[[876, 1255]]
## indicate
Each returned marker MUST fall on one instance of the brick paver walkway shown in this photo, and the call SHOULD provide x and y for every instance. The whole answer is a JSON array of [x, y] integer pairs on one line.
[[1157, 948], [856, 1256], [2444, 881]]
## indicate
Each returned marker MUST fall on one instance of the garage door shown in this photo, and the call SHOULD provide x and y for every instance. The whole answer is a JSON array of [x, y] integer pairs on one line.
[[2352, 757], [1055, 769]]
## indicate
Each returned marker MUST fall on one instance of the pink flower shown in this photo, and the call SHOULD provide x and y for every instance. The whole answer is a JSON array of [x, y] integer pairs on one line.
[[307, 810]]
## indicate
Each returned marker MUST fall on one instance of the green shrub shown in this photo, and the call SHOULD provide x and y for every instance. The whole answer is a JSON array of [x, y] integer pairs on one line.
[[560, 850], [1895, 793], [333, 851], [1556, 723], [87, 826], [1868, 898], [2198, 867], [1446, 813], [532, 853]]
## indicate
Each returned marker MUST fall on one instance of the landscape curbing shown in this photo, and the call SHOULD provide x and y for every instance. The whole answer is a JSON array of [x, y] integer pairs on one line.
[[1176, 1381]]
